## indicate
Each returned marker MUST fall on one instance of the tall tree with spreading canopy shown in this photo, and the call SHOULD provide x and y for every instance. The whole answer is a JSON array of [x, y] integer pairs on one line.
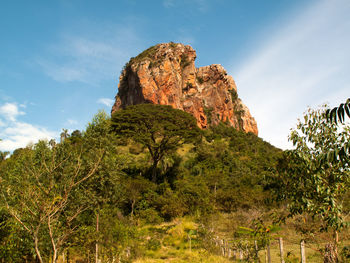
[[161, 129]]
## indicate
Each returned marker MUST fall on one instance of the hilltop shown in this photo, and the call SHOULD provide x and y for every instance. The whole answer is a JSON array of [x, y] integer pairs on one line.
[[166, 74]]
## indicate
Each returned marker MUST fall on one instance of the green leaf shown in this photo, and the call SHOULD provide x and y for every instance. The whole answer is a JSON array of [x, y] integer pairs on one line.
[[347, 109], [333, 115], [341, 112]]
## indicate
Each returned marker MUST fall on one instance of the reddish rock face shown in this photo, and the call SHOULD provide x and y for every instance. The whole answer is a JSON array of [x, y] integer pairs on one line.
[[166, 74]]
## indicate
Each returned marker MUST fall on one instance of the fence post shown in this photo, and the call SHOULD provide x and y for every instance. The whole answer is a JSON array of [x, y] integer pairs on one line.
[[222, 245], [268, 253], [256, 249], [302, 251], [281, 249], [240, 254]]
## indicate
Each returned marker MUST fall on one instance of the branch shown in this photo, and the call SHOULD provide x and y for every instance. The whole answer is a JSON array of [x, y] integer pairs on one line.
[[15, 216], [92, 171]]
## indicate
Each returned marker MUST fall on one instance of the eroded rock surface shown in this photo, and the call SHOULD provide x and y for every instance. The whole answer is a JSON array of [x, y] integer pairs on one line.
[[166, 74]]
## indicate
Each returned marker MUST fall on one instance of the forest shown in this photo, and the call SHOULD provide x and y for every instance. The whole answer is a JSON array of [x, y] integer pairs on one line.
[[147, 185]]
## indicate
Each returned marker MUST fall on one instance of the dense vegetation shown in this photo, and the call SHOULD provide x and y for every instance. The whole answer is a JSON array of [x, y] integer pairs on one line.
[[103, 192]]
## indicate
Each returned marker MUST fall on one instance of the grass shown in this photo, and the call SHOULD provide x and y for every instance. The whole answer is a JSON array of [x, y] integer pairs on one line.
[[175, 247]]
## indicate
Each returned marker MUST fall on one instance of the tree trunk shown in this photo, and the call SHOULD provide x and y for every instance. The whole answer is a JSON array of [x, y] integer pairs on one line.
[[331, 250], [97, 225], [331, 253], [37, 251], [154, 171], [132, 208]]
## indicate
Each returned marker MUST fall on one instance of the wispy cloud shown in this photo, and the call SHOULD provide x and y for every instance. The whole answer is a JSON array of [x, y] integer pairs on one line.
[[305, 63], [10, 111], [89, 58], [106, 101], [16, 134]]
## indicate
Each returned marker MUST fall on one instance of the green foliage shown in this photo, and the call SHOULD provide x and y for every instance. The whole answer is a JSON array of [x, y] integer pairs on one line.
[[234, 95], [314, 187], [109, 178], [161, 129], [184, 61], [345, 254], [38, 188], [337, 114], [309, 183], [15, 243], [200, 80], [208, 113], [234, 166], [147, 54]]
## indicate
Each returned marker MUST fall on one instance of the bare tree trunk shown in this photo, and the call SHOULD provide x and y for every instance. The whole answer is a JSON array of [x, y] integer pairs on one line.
[[37, 251], [97, 225], [54, 247]]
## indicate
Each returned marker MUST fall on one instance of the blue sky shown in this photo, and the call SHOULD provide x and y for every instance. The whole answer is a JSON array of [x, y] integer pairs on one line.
[[60, 60]]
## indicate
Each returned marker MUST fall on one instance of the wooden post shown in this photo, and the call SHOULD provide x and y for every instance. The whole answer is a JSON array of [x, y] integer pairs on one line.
[[222, 247], [229, 253], [268, 254], [302, 251], [281, 249], [256, 250]]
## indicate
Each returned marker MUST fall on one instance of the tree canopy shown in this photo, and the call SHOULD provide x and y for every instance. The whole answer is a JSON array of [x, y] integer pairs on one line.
[[161, 129]]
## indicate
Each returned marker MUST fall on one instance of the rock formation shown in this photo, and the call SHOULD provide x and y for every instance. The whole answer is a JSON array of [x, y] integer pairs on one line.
[[166, 74]]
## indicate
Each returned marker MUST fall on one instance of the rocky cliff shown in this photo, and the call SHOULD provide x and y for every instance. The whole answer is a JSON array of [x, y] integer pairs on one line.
[[166, 74]]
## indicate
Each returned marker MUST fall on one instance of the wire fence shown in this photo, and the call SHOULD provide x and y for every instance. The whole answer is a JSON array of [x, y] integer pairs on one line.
[[274, 251]]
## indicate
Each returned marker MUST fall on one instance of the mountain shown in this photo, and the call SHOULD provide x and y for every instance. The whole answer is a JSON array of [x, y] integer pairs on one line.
[[166, 74]]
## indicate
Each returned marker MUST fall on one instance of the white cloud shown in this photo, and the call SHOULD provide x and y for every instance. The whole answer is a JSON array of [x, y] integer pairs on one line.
[[90, 58], [106, 101], [304, 64], [10, 111], [16, 134]]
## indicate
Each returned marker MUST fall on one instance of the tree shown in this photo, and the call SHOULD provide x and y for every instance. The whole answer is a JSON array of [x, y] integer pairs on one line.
[[3, 155], [161, 129], [338, 113], [313, 187], [41, 190]]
